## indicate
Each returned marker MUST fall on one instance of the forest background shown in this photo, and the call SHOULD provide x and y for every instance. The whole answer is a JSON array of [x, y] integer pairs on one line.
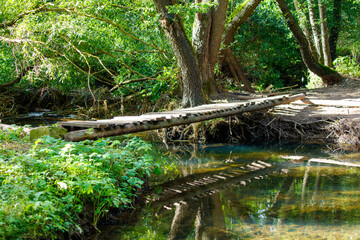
[[163, 51], [112, 57]]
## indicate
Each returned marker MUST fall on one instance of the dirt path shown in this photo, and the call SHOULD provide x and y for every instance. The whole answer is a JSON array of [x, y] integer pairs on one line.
[[326, 103], [327, 115], [335, 112]]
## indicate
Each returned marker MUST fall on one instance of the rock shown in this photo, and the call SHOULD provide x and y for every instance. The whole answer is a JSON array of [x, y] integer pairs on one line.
[[55, 132]]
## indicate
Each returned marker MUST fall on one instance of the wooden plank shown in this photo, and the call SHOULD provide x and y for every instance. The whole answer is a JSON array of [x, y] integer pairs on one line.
[[164, 120]]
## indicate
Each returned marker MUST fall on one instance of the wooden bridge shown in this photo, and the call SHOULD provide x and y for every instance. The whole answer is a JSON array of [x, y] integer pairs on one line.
[[82, 130]]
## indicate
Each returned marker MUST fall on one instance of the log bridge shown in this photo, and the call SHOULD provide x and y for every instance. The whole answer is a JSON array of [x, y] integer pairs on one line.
[[82, 130]]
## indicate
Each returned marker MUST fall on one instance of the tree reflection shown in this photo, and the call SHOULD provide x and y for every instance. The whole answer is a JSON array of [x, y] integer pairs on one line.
[[252, 201], [205, 213]]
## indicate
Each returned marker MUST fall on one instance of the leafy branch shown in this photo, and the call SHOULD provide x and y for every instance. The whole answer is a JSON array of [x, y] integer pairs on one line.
[[46, 8]]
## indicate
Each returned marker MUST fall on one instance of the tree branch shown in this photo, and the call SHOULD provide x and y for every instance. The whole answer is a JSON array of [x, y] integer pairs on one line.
[[10, 23], [240, 15], [52, 50], [18, 79], [45, 8]]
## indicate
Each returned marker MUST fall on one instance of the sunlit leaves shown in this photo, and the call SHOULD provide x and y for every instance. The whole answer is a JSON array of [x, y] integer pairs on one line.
[[43, 191], [65, 38]]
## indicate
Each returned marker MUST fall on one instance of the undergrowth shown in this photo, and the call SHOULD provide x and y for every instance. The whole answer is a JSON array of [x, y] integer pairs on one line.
[[45, 188]]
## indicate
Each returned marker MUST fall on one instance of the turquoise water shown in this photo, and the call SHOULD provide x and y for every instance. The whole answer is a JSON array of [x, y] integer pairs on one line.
[[250, 192]]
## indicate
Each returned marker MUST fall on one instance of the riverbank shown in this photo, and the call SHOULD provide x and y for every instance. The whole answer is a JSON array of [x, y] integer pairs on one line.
[[64, 182], [54, 189], [328, 115]]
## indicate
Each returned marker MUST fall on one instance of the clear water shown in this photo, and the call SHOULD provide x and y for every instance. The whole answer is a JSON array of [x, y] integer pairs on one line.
[[35, 119], [297, 200]]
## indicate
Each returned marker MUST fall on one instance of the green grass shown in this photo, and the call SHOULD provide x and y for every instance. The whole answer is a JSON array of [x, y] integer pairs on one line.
[[46, 186]]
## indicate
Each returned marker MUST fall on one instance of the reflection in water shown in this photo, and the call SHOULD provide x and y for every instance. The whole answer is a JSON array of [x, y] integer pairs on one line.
[[232, 195]]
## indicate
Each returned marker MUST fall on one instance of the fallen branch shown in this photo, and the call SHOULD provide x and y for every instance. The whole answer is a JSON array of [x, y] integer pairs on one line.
[[334, 162]]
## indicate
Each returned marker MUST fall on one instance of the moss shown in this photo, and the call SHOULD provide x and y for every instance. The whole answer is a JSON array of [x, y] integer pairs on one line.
[[237, 10], [55, 132]]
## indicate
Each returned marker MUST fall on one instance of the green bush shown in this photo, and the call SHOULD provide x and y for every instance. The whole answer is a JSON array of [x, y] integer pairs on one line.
[[347, 66], [44, 190]]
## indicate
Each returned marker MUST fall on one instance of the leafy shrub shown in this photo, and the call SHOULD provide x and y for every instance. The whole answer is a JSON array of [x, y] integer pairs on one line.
[[314, 81], [347, 66], [44, 190]]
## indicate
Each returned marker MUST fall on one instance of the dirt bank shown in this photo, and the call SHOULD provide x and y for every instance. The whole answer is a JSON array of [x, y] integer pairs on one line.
[[327, 115]]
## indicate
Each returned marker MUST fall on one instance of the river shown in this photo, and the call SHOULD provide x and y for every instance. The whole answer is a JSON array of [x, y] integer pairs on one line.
[[250, 192]]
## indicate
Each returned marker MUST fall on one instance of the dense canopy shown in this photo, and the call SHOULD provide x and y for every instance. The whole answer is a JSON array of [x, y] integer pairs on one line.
[[188, 49]]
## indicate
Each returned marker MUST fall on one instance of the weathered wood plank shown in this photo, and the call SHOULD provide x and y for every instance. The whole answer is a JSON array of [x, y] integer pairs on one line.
[[164, 120]]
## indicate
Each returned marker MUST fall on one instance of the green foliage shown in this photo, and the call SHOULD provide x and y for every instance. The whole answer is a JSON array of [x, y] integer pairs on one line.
[[347, 66], [191, 8], [114, 41], [45, 189], [314, 81], [267, 49], [349, 37], [7, 68], [14, 133]]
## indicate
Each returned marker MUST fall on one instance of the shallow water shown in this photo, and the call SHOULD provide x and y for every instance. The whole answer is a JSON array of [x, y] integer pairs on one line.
[[250, 192], [35, 119]]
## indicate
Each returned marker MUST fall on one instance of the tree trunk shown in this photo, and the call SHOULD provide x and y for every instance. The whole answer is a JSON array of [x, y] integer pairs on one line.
[[207, 35], [240, 14], [335, 28], [328, 75], [304, 23], [236, 70], [210, 221], [325, 35], [184, 219], [315, 29], [185, 55]]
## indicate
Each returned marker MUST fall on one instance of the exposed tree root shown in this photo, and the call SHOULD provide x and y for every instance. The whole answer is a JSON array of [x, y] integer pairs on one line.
[[346, 133], [262, 127]]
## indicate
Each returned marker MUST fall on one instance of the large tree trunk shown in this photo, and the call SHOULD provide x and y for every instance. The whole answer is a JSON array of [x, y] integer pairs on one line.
[[325, 35], [185, 55], [315, 29], [335, 28], [304, 23], [328, 75], [207, 35], [240, 14], [236, 70]]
